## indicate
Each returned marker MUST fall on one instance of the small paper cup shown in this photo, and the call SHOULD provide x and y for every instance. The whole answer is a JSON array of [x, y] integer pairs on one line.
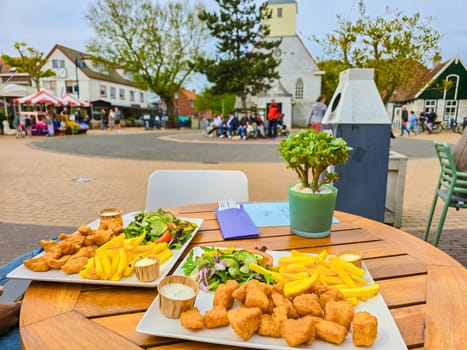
[[111, 214], [146, 271], [176, 294], [352, 256]]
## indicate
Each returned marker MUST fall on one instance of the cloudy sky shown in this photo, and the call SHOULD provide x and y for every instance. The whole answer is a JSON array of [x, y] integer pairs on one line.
[[44, 23]]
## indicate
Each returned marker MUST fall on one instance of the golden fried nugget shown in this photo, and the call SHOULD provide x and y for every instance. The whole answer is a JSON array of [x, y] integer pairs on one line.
[[341, 311], [85, 230], [279, 314], [307, 304], [192, 319], [331, 294], [217, 317], [269, 327], [280, 299], [278, 288], [38, 264], [318, 287], [52, 248], [245, 321], [101, 236], [74, 264], [256, 297], [364, 329], [223, 296], [58, 263], [329, 331], [296, 332]]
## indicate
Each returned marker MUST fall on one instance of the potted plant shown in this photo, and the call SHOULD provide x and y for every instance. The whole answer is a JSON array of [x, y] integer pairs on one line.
[[312, 201]]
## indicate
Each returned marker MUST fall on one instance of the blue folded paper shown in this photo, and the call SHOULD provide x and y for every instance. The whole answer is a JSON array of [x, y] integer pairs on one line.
[[236, 223]]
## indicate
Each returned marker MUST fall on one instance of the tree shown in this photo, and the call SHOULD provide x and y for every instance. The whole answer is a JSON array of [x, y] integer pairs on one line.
[[389, 44], [218, 104], [157, 43], [30, 61], [332, 69], [244, 62]]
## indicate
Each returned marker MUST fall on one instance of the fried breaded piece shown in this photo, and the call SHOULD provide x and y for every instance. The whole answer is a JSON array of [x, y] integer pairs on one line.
[[192, 319], [85, 230], [331, 294], [38, 264], [256, 297], [74, 265], [364, 329], [317, 288], [245, 321], [223, 296], [296, 332], [269, 327], [307, 304], [341, 311], [217, 317], [71, 245], [329, 331], [278, 288], [52, 248], [240, 293], [58, 263], [279, 314], [279, 300], [101, 236]]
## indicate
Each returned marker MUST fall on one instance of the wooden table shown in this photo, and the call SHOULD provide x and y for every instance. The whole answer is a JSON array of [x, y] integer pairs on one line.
[[424, 288]]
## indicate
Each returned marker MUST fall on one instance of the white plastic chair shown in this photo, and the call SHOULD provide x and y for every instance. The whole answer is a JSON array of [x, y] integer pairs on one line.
[[172, 188]]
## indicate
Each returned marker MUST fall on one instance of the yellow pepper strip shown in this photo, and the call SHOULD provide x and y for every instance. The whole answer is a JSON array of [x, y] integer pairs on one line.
[[367, 291], [300, 286], [336, 264], [110, 243], [276, 276]]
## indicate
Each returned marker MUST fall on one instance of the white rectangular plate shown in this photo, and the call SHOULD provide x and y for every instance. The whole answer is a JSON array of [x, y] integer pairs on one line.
[[155, 323], [21, 272]]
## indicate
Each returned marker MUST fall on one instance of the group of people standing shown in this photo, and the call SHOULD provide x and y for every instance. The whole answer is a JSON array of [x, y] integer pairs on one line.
[[110, 120], [410, 123]]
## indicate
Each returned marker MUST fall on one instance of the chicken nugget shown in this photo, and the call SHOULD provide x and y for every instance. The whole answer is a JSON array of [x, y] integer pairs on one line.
[[217, 317], [85, 230], [281, 300], [331, 294], [364, 329], [192, 319], [329, 331], [74, 265], [256, 297], [307, 304], [38, 264], [296, 332], [58, 263], [279, 314], [223, 296], [52, 248], [318, 287], [269, 327], [341, 311], [278, 288], [245, 321], [101, 236]]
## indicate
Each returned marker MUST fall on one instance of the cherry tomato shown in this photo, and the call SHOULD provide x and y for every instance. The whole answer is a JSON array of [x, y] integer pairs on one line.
[[267, 258], [166, 237]]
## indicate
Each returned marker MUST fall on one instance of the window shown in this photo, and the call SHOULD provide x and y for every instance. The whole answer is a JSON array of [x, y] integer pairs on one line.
[[71, 87], [279, 12], [57, 64], [113, 92], [132, 95], [450, 110], [141, 97], [299, 89], [121, 93], [430, 104], [103, 90], [50, 84]]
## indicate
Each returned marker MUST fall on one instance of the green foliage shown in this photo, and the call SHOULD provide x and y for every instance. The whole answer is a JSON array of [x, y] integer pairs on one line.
[[158, 43], [30, 61], [389, 44], [330, 79], [310, 153], [218, 104], [244, 62]]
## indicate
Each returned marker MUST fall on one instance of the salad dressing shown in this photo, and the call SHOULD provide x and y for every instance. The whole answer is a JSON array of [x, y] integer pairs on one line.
[[177, 291]]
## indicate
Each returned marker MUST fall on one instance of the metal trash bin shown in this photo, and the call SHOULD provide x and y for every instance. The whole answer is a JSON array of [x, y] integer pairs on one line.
[[356, 113]]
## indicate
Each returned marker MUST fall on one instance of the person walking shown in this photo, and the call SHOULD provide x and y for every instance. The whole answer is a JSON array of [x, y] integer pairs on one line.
[[49, 120], [103, 116], [404, 121], [273, 114], [413, 122], [318, 110], [117, 118]]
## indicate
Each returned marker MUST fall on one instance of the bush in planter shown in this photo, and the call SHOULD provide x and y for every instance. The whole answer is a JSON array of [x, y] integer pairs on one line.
[[312, 201], [310, 153]]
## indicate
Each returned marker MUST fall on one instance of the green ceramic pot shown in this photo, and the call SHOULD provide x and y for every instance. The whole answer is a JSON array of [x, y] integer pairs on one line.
[[311, 213]]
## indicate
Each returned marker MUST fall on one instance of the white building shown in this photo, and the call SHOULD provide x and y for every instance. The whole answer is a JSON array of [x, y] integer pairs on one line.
[[300, 82], [100, 84]]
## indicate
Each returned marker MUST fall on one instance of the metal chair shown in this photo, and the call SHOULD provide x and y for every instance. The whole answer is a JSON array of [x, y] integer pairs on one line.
[[451, 188], [172, 188]]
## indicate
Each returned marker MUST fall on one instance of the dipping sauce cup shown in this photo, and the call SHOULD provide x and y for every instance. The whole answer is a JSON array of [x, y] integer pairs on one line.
[[111, 214], [147, 268], [352, 256], [177, 294]]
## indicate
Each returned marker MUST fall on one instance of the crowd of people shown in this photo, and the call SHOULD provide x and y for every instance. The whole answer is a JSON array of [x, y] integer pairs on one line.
[[110, 119]]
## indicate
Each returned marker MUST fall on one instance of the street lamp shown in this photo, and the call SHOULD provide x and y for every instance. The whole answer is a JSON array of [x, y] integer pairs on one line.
[[82, 65]]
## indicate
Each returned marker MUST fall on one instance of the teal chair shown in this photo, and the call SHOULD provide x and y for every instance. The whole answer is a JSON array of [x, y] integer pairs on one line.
[[451, 188]]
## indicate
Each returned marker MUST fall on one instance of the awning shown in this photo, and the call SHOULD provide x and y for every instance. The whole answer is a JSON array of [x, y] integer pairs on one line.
[[41, 97], [70, 100]]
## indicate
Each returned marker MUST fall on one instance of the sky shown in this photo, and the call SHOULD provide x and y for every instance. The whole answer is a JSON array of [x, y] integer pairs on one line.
[[44, 23]]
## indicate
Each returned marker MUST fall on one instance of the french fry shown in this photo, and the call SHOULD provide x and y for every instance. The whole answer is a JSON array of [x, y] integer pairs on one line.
[[367, 291]]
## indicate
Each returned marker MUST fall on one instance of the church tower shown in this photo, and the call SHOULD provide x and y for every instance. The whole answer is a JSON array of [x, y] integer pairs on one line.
[[283, 21]]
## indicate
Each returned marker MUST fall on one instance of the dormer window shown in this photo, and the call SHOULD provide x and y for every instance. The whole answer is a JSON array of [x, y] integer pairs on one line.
[[279, 12]]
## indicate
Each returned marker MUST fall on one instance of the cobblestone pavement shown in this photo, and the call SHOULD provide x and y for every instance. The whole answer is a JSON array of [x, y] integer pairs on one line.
[[52, 185]]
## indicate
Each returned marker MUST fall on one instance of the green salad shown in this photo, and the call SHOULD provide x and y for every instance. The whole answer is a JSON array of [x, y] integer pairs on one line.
[[160, 226], [217, 265]]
